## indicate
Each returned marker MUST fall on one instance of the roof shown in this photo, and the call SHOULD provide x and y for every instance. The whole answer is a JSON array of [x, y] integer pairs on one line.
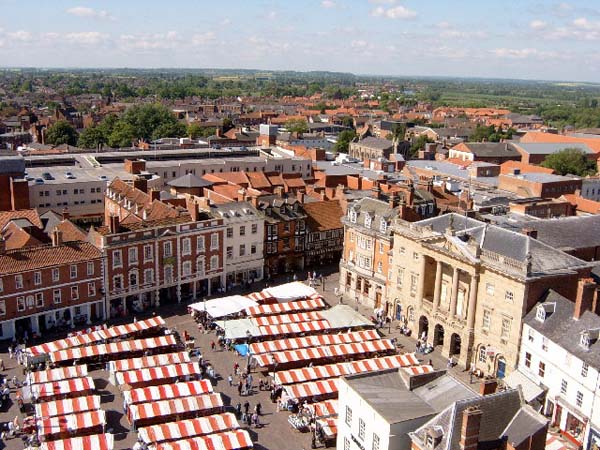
[[322, 216], [525, 424], [70, 231], [378, 210], [489, 149], [189, 181], [561, 328], [12, 164], [509, 166], [568, 233], [373, 142], [32, 258], [30, 214], [539, 137], [582, 204], [389, 394], [548, 148]]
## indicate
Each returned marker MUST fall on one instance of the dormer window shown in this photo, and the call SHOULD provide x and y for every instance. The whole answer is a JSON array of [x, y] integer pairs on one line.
[[383, 226], [540, 314], [367, 221], [352, 214]]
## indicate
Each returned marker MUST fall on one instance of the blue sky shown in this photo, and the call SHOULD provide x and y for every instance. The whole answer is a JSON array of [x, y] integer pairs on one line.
[[485, 38]]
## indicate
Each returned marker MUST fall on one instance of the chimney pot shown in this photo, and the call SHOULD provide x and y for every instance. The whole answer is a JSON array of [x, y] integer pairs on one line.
[[471, 426], [57, 238], [585, 297], [488, 386]]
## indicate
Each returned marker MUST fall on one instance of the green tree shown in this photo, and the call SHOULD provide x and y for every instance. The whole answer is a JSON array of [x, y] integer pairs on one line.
[[419, 143], [145, 120], [296, 126], [122, 135], [92, 137], [348, 121], [570, 161], [343, 141], [169, 130], [195, 131], [62, 132]]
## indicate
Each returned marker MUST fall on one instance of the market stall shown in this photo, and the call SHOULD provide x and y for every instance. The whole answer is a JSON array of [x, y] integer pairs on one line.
[[159, 375], [232, 440], [324, 409], [95, 442], [327, 431], [58, 390], [144, 414], [279, 319], [286, 308], [67, 406], [164, 359], [294, 328], [312, 341], [224, 306], [62, 373], [167, 391], [113, 350], [118, 331], [185, 429], [291, 291], [61, 427], [313, 391], [418, 370]]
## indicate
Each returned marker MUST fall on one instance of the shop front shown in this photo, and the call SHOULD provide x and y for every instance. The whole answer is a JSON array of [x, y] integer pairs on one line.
[[569, 420]]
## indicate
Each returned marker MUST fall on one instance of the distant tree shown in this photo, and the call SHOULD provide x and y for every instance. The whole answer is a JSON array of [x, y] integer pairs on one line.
[[348, 121], [419, 143], [490, 134], [169, 130], [194, 131], [146, 119], [343, 141], [227, 124], [570, 161], [62, 132], [296, 126], [92, 137], [122, 135], [398, 132]]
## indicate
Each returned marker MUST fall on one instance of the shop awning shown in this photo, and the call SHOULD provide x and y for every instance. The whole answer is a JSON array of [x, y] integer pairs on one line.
[[294, 328], [327, 408], [96, 442], [329, 427], [529, 388], [67, 406], [286, 318], [62, 373], [164, 359], [305, 391], [74, 386], [224, 306], [184, 429], [167, 391], [72, 423], [154, 374], [96, 336], [233, 440], [164, 408], [291, 291], [289, 307]]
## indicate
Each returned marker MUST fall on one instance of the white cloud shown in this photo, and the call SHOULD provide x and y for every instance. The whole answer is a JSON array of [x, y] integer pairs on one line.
[[328, 4], [226, 22], [383, 2], [86, 38], [522, 53], [271, 15], [584, 23], [444, 25], [458, 34], [21, 35], [396, 12], [203, 38], [84, 11], [358, 44], [537, 24]]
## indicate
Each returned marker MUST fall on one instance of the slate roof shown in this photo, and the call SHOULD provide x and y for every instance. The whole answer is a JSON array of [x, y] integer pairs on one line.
[[548, 148], [377, 209], [189, 181], [378, 143], [491, 149], [526, 423], [12, 164], [560, 327], [498, 411], [568, 233]]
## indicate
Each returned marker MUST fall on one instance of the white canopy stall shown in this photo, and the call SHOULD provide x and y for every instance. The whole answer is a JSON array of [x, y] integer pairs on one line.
[[224, 306]]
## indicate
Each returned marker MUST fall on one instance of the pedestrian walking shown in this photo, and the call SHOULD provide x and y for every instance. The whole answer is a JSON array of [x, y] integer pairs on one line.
[[255, 420], [213, 346], [236, 368], [240, 388], [258, 408], [230, 380], [2, 368], [10, 351], [246, 406]]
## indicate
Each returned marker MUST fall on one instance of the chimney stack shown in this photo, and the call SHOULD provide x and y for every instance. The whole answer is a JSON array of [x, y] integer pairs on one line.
[[469, 431], [154, 195], [488, 386], [2, 246], [57, 237], [194, 211], [66, 215], [114, 225], [278, 191], [141, 184], [585, 297]]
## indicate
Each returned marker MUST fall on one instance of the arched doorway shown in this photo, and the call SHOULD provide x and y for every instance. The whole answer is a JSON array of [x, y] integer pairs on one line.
[[423, 327], [500, 367], [454, 344], [438, 335]]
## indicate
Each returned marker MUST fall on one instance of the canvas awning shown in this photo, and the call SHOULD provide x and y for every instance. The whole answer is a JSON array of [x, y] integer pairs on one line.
[[167, 391], [67, 406], [327, 408], [184, 429], [279, 319], [530, 389], [305, 391], [289, 307], [72, 423], [164, 359], [291, 291], [165, 408], [62, 373], [233, 440], [224, 306], [153, 374], [96, 441], [72, 387]]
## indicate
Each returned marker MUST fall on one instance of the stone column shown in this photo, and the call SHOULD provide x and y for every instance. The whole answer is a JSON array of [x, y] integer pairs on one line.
[[438, 286], [472, 301], [89, 314], [194, 283], [178, 290], [36, 324], [454, 298], [72, 311], [421, 287]]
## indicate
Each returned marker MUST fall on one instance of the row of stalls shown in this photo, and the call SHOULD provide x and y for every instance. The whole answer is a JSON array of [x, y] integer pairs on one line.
[[304, 346], [167, 401]]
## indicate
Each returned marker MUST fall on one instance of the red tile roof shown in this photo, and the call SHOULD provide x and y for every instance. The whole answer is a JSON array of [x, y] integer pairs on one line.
[[509, 166], [29, 214], [322, 216]]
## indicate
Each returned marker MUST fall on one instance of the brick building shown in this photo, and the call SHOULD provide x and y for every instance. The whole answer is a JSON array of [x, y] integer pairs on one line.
[[325, 238], [538, 184]]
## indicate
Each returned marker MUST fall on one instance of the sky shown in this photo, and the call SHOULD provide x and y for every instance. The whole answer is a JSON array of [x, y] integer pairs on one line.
[[528, 39]]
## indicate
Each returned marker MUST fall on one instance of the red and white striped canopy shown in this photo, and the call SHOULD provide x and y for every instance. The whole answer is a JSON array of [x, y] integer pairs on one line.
[[96, 336], [164, 359], [289, 307], [329, 427], [233, 440], [279, 319], [72, 423], [96, 442], [311, 389], [294, 328], [91, 351], [327, 408], [260, 297], [418, 370], [184, 429], [326, 351], [312, 341], [88, 330], [167, 391], [73, 386], [62, 373], [67, 406], [342, 369], [155, 374], [164, 408]]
